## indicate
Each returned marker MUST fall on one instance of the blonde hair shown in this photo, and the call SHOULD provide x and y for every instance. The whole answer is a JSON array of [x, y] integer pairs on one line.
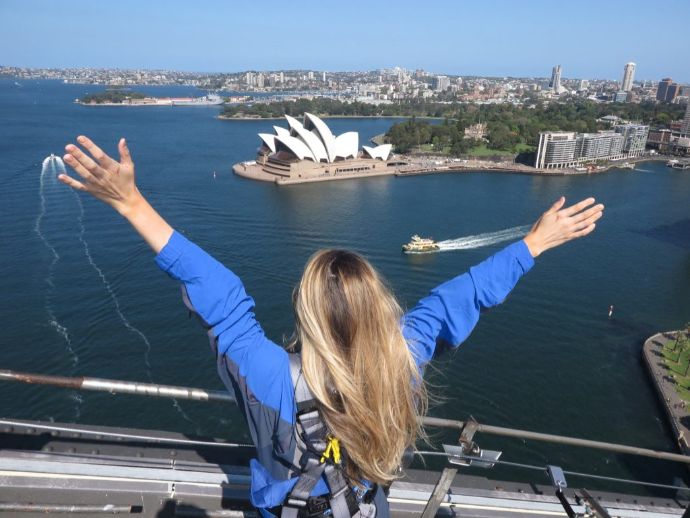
[[357, 364]]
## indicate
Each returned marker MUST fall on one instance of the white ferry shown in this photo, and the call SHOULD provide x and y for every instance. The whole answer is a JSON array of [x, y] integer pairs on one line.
[[420, 244]]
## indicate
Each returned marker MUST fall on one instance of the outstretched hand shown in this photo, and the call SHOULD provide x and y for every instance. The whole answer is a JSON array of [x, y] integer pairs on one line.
[[558, 225], [113, 183], [108, 180]]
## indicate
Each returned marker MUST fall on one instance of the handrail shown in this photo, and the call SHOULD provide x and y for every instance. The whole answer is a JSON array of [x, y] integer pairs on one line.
[[154, 390]]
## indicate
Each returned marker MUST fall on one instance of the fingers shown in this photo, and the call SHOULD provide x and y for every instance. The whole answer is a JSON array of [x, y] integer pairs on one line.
[[556, 206], [82, 159], [589, 220], [574, 209], [586, 214], [587, 230], [125, 157], [74, 184], [104, 160], [75, 164]]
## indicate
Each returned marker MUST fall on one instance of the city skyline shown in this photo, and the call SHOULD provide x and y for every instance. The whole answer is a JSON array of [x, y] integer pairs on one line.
[[444, 38]]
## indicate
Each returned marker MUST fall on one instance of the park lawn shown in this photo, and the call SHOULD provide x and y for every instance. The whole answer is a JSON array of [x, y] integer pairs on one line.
[[677, 367], [483, 151]]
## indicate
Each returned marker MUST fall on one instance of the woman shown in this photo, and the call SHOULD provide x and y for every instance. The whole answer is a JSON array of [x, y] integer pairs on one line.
[[330, 425]]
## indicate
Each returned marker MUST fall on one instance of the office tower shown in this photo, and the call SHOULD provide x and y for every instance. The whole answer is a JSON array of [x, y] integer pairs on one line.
[[662, 88], [555, 82], [628, 77], [323, 77], [672, 92]]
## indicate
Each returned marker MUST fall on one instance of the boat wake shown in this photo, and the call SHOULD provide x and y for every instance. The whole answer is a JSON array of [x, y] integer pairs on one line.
[[480, 240], [116, 304], [52, 167]]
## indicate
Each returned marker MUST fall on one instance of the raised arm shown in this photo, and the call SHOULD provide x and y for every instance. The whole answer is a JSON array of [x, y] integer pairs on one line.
[[450, 311], [113, 182]]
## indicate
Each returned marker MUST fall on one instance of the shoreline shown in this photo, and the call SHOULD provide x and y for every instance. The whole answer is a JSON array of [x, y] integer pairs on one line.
[[225, 118], [253, 171], [674, 408]]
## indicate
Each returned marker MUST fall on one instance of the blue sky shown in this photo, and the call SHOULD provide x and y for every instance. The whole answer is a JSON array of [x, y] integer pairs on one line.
[[590, 39]]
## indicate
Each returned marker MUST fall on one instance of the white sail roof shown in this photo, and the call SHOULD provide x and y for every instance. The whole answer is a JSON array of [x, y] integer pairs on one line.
[[269, 140], [324, 133], [309, 138], [381, 151], [296, 146], [346, 145], [313, 140]]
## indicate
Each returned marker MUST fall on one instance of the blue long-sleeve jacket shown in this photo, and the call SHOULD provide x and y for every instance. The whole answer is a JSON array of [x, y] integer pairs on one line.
[[257, 370]]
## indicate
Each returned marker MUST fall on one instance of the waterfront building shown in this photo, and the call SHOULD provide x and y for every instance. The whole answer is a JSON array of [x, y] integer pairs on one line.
[[556, 149], [555, 83], [660, 139], [662, 88], [605, 145], [559, 149], [634, 138], [308, 150], [628, 76], [685, 128]]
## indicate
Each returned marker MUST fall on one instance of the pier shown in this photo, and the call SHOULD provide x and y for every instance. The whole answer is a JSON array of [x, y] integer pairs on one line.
[[675, 407]]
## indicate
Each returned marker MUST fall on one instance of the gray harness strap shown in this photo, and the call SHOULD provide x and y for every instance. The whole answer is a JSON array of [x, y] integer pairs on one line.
[[311, 438]]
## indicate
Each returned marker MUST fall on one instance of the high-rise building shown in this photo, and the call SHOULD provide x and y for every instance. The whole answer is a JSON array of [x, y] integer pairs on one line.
[[584, 84], [249, 78], [323, 77], [282, 78], [556, 149], [628, 77], [634, 138], [559, 149], [662, 88], [598, 146], [672, 92], [555, 82], [685, 128], [442, 83]]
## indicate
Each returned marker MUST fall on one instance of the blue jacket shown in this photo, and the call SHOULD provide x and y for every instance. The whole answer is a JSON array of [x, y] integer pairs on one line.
[[257, 370]]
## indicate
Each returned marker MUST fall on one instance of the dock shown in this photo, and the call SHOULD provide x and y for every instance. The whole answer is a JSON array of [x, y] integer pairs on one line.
[[676, 410]]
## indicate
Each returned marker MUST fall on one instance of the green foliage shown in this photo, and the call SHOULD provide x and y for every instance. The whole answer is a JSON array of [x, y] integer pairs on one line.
[[111, 96]]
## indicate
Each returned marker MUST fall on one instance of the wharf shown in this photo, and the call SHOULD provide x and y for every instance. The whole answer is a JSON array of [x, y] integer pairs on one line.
[[675, 408], [408, 166]]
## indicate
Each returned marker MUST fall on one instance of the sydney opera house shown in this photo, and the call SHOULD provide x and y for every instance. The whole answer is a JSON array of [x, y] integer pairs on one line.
[[308, 151]]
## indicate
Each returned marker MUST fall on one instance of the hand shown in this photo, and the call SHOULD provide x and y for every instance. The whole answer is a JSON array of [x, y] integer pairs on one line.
[[557, 225], [110, 181]]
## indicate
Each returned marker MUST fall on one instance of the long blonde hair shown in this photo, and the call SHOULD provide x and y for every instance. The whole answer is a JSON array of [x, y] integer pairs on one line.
[[357, 363]]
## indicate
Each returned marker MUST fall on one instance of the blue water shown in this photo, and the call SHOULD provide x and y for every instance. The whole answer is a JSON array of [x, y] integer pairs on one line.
[[83, 296]]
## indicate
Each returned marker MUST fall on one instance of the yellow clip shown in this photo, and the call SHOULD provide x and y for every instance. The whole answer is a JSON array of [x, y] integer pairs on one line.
[[332, 450]]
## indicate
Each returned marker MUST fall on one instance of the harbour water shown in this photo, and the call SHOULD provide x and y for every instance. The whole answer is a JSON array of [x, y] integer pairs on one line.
[[83, 296]]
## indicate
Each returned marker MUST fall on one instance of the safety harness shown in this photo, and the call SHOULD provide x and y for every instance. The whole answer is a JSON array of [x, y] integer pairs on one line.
[[317, 454]]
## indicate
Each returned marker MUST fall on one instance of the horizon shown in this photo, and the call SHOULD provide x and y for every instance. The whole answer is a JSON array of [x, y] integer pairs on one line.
[[443, 38]]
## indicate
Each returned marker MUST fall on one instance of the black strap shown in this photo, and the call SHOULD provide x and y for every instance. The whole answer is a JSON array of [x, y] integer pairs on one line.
[[312, 433]]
